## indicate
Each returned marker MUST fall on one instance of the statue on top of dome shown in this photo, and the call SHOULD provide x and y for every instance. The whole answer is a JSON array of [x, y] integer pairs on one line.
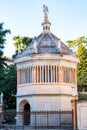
[[45, 10]]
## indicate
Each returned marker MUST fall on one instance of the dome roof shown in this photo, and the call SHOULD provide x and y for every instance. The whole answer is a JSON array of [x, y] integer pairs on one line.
[[46, 42]]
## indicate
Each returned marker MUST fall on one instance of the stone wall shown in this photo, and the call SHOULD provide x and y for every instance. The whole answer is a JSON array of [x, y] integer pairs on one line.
[[82, 115]]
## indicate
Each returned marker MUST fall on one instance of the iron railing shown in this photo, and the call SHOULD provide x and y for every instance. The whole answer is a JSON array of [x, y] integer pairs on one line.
[[40, 120]]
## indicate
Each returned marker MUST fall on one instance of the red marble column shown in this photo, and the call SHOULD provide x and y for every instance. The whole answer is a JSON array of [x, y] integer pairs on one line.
[[60, 68], [18, 76], [34, 74], [75, 73]]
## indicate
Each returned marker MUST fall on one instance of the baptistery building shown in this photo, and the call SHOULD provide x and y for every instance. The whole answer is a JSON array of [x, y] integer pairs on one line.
[[46, 73]]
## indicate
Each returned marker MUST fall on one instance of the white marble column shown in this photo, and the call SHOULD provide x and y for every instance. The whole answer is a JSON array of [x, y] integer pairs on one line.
[[45, 75], [23, 76], [36, 75], [56, 74], [48, 73], [51, 74], [31, 76], [40, 74], [27, 75]]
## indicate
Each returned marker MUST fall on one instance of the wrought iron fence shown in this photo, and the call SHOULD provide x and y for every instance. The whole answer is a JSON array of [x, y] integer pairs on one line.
[[41, 120]]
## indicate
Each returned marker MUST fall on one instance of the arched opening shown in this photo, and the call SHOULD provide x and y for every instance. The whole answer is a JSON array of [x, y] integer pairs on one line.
[[27, 114]]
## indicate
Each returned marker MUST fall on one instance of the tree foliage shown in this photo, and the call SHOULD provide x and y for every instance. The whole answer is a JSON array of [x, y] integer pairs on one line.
[[1, 78], [3, 33], [7, 73], [21, 42], [77, 42], [2, 38], [9, 83], [81, 51]]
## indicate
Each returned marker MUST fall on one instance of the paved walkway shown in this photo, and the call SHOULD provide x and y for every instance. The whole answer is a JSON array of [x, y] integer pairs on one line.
[[14, 127]]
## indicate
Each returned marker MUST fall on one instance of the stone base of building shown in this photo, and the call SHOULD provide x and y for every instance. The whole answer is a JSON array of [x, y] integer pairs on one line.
[[82, 115]]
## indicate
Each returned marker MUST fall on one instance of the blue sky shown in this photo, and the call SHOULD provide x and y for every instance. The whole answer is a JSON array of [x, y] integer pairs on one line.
[[24, 18]]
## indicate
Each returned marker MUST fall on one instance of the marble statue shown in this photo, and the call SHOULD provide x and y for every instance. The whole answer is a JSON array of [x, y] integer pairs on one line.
[[45, 10]]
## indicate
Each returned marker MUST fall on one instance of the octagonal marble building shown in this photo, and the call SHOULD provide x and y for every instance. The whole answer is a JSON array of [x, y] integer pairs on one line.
[[46, 71]]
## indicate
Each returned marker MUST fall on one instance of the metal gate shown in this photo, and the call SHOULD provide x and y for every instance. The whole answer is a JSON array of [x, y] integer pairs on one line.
[[39, 120]]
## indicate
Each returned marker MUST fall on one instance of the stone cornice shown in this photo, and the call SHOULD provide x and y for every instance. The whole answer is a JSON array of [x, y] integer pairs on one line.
[[31, 95], [42, 84], [46, 56]]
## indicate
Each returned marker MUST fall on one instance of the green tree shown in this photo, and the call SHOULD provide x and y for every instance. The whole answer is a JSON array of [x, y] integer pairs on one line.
[[9, 89], [8, 74], [2, 79], [81, 51], [3, 33], [22, 42], [77, 42]]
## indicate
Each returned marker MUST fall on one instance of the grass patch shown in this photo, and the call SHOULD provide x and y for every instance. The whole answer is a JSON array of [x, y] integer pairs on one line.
[[83, 92]]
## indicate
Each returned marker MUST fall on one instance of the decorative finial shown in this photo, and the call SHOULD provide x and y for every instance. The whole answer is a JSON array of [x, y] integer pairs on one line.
[[45, 10], [59, 45], [46, 24], [19, 48], [35, 45]]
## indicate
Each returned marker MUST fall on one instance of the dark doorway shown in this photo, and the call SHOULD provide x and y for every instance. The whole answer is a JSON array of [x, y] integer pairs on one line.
[[26, 114]]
